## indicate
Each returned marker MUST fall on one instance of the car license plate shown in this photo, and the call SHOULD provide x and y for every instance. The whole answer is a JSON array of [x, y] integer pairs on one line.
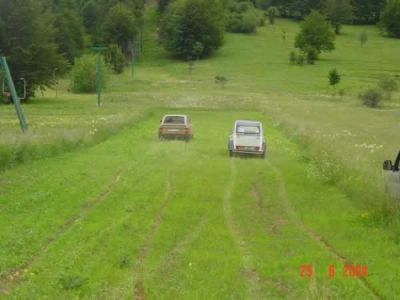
[[173, 130]]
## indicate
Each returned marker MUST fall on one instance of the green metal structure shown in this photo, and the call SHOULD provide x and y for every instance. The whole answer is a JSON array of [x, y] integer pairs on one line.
[[98, 50], [15, 98]]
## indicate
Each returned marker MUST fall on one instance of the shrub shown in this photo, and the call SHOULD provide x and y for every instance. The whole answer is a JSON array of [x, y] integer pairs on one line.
[[115, 58], [83, 74], [221, 80], [242, 17], [334, 77], [272, 13], [293, 57], [190, 23], [372, 98], [300, 59], [388, 84], [311, 56], [261, 21], [363, 37]]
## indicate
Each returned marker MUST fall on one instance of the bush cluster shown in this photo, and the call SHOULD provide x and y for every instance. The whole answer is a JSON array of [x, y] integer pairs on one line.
[[83, 74], [309, 57], [115, 58], [374, 97], [388, 84], [242, 17]]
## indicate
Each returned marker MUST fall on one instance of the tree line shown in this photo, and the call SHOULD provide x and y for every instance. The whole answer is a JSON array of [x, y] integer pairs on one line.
[[42, 38], [362, 11], [187, 35]]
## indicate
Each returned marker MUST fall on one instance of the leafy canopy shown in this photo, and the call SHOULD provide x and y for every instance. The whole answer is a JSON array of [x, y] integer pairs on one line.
[[390, 19], [193, 29], [315, 33], [27, 39], [120, 27], [241, 17], [338, 12]]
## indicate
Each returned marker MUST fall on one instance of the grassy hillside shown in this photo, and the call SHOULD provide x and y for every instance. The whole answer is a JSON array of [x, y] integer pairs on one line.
[[146, 218], [259, 76]]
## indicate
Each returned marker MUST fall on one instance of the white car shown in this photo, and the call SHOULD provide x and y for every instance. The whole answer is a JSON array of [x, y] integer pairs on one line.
[[247, 138], [392, 183]]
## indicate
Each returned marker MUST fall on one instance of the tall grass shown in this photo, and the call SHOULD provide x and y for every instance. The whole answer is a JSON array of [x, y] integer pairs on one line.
[[77, 124]]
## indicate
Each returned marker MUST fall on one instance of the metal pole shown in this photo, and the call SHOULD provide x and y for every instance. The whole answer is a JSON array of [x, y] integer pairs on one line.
[[17, 104], [98, 80], [133, 67], [98, 50], [55, 81]]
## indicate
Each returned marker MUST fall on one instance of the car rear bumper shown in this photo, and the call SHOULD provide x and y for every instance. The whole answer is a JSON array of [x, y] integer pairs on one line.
[[250, 152], [174, 135]]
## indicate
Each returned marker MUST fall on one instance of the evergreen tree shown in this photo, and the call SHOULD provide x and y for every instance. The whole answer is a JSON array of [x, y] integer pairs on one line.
[[27, 40], [69, 34]]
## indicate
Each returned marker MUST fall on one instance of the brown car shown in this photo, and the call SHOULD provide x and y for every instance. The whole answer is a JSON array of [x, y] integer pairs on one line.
[[176, 127]]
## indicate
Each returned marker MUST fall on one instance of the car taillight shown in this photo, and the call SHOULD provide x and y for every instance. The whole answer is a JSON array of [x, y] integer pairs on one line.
[[237, 147]]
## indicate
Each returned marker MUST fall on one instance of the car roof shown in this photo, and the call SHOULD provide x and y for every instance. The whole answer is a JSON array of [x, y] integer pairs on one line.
[[175, 116], [247, 122]]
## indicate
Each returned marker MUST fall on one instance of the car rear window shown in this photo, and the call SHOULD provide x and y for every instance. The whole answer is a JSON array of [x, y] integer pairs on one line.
[[174, 120], [247, 129]]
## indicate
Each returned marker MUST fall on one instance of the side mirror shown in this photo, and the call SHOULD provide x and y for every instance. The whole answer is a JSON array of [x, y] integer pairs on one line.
[[388, 165]]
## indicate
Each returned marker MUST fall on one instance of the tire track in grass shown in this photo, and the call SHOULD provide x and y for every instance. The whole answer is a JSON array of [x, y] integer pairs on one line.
[[316, 237], [10, 279], [138, 284], [252, 276], [173, 256]]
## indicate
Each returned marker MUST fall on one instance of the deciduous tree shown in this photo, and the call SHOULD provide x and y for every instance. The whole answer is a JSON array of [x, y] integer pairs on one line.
[[390, 19], [120, 27], [337, 12], [316, 34], [187, 24]]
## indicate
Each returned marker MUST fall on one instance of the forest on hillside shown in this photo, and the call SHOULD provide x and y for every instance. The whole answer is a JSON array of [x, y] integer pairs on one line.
[[43, 39]]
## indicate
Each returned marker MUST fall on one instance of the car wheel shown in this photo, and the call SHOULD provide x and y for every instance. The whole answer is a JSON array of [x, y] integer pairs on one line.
[[230, 153]]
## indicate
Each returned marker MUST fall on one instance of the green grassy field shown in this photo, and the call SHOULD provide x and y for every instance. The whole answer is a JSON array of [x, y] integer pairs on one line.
[[109, 212], [182, 220]]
